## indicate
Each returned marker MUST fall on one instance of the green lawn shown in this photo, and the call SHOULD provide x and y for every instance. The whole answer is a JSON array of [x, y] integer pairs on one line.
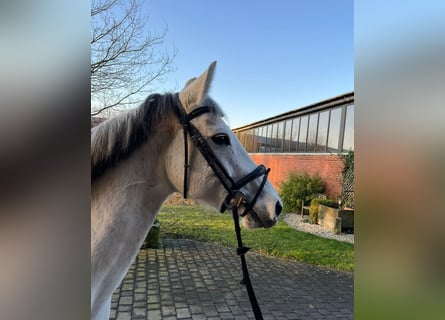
[[194, 222]]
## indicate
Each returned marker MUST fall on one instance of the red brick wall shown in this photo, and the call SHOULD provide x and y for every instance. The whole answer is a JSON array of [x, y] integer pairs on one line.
[[329, 167]]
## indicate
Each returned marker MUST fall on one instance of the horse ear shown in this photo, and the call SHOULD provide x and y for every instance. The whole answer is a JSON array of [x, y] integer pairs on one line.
[[196, 89], [189, 82]]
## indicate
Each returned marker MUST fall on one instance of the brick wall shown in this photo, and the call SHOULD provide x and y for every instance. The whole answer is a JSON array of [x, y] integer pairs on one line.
[[329, 167]]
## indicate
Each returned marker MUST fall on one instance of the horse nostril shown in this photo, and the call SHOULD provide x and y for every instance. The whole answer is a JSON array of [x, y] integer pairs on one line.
[[278, 208]]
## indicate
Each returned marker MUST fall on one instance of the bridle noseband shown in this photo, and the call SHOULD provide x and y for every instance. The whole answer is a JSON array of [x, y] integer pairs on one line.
[[233, 188]]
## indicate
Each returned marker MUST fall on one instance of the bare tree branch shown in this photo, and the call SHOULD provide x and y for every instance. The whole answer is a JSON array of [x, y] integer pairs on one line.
[[126, 61]]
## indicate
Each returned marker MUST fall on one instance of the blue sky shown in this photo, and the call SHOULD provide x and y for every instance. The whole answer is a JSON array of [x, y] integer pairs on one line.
[[273, 56]]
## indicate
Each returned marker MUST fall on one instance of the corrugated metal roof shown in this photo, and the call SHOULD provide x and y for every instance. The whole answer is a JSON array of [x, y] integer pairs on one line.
[[343, 99]]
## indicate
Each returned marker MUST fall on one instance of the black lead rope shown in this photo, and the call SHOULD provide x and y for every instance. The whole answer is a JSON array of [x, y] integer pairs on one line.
[[241, 251]]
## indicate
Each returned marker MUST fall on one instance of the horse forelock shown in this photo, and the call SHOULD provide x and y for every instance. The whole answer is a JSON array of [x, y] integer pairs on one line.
[[116, 138], [215, 109]]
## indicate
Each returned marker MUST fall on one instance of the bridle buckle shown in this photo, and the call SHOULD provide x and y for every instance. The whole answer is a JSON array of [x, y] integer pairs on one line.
[[235, 200]]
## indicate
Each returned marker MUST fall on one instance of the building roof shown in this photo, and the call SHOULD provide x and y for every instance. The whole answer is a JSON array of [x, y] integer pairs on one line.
[[318, 106]]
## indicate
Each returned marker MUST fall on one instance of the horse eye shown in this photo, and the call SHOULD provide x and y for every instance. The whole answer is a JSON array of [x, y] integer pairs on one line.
[[221, 139]]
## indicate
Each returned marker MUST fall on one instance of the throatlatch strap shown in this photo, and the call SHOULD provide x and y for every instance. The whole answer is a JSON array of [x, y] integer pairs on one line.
[[241, 251]]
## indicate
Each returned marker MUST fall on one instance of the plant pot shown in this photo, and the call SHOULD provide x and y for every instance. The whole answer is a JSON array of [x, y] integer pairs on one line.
[[336, 220]]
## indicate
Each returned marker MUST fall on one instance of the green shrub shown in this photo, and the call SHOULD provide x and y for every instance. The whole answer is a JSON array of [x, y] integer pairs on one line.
[[328, 203], [298, 187], [348, 180], [313, 209]]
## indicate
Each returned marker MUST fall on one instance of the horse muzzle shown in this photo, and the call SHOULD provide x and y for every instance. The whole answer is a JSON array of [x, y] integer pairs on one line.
[[255, 215]]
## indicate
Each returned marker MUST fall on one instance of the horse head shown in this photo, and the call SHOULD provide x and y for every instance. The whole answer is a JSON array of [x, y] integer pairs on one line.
[[219, 172]]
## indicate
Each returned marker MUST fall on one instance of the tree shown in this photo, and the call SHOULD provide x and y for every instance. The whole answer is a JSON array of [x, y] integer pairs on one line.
[[125, 58]]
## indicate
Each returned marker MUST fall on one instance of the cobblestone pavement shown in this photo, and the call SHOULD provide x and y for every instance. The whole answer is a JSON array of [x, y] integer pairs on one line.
[[186, 279]]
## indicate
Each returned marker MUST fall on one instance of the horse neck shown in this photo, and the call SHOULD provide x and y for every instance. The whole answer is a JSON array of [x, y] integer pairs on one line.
[[138, 183]]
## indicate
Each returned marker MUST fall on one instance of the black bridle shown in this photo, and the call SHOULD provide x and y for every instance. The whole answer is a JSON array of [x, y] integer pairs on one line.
[[235, 198], [233, 188]]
